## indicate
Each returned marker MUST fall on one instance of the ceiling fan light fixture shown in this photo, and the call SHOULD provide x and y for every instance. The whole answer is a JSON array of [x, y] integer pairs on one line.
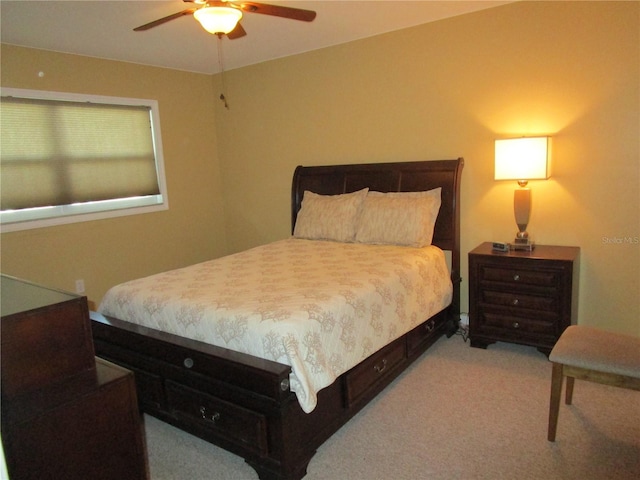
[[217, 20]]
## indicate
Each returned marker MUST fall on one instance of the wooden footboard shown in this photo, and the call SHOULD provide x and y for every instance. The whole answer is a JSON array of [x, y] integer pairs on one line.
[[242, 403]]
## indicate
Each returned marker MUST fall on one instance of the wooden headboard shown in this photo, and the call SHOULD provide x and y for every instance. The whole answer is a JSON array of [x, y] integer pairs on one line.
[[394, 177]]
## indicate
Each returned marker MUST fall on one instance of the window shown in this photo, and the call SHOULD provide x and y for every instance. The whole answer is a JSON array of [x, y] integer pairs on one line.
[[67, 158]]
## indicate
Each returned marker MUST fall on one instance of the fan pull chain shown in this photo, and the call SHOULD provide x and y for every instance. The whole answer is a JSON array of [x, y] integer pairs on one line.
[[221, 64]]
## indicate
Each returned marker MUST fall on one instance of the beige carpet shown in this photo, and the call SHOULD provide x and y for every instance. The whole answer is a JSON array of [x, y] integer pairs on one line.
[[457, 413]]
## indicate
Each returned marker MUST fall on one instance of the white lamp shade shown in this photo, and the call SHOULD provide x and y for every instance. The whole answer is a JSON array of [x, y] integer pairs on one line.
[[522, 158], [218, 19]]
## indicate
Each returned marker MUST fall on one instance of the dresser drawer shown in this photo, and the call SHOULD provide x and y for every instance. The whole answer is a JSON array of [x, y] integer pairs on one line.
[[45, 345], [232, 424], [366, 375], [518, 300], [79, 431], [518, 276]]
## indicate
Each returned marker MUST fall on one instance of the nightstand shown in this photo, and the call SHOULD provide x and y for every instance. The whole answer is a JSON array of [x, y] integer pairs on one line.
[[522, 297]]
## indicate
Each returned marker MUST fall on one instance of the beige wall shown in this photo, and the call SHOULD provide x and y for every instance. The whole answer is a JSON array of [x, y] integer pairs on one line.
[[448, 89], [106, 252], [441, 90]]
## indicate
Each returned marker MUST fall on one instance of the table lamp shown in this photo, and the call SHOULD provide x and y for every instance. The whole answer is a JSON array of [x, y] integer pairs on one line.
[[522, 159]]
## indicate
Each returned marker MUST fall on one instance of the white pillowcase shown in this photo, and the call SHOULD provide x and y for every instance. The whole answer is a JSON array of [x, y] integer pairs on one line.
[[329, 217], [399, 218]]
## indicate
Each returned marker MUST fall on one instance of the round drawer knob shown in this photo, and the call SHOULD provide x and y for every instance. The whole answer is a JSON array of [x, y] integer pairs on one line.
[[515, 301], [516, 277], [516, 325], [188, 362]]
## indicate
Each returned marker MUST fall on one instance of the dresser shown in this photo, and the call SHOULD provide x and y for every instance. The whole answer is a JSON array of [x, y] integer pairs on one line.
[[65, 413], [522, 297]]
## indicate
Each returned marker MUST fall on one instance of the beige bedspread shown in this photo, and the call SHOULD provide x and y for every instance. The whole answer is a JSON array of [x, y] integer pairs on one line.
[[321, 307]]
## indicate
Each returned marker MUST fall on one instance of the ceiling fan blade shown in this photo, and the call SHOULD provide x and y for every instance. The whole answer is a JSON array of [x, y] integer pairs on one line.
[[277, 11], [237, 32], [160, 21]]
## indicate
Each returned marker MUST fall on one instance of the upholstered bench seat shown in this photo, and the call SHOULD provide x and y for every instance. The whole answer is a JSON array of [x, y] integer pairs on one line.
[[591, 354]]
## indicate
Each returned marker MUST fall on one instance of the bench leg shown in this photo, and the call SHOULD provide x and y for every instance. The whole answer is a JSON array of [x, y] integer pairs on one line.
[[554, 401], [569, 390]]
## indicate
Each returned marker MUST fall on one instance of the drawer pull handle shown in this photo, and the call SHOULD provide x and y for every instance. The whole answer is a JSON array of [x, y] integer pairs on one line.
[[515, 301], [430, 326], [188, 362], [214, 418], [382, 368], [516, 277], [516, 325]]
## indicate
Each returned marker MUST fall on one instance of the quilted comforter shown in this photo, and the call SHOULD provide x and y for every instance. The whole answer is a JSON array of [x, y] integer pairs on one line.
[[320, 307]]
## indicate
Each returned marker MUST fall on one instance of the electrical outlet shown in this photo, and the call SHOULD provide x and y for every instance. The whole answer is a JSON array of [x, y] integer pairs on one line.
[[80, 286]]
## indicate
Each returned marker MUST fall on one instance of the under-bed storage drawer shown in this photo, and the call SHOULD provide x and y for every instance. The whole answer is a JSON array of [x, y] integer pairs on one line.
[[149, 387], [148, 384], [424, 335], [364, 377], [231, 423]]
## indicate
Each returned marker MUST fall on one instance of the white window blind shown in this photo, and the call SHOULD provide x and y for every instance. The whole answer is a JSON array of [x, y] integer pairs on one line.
[[66, 151]]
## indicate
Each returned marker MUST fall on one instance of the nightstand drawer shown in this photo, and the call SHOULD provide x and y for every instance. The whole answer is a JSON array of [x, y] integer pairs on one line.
[[494, 322], [519, 276], [519, 300]]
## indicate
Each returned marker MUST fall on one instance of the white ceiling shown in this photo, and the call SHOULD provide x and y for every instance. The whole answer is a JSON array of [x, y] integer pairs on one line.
[[104, 29]]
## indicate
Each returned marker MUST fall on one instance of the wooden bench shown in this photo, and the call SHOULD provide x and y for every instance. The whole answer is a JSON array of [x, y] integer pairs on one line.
[[590, 354]]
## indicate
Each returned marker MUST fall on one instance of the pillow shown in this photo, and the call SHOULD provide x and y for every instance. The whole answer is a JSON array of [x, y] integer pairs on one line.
[[399, 218], [329, 217]]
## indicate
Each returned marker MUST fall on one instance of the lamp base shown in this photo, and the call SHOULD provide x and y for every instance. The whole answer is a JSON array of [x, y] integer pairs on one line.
[[522, 244]]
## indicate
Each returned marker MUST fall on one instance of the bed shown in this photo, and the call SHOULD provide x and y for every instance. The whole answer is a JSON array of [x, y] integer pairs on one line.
[[274, 406]]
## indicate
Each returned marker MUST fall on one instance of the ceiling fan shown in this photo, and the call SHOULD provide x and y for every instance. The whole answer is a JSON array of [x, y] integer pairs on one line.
[[223, 17]]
